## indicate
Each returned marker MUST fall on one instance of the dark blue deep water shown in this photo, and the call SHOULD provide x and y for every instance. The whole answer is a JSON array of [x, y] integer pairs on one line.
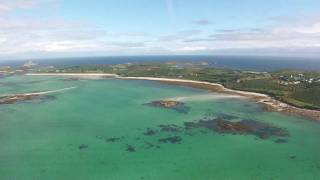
[[231, 62]]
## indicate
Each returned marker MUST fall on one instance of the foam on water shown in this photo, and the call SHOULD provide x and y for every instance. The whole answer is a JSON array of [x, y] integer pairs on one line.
[[52, 91], [45, 92]]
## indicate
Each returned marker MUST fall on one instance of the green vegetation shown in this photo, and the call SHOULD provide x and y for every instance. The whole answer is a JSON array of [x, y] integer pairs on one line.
[[298, 88]]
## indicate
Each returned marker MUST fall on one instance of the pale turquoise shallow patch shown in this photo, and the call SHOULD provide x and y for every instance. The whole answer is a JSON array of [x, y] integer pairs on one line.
[[41, 140]]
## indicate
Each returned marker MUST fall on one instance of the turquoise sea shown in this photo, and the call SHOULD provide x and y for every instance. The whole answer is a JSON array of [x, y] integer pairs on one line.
[[103, 129]]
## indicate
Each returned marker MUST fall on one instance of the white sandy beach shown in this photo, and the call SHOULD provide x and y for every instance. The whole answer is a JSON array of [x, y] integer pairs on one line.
[[84, 75], [196, 82], [74, 74]]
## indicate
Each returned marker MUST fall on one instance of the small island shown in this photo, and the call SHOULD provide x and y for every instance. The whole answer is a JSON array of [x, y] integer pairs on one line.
[[166, 103], [170, 104]]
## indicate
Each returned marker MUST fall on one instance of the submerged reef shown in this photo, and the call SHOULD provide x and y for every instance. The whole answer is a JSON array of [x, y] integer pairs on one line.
[[170, 128], [150, 132], [171, 134], [71, 79], [170, 104], [259, 129], [171, 139], [281, 141], [130, 148], [226, 116], [114, 139], [83, 146], [150, 145]]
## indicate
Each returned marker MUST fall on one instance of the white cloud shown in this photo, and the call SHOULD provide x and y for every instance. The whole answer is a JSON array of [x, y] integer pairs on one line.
[[181, 35], [21, 36], [32, 36], [193, 48], [11, 5], [24, 36], [203, 22], [291, 34]]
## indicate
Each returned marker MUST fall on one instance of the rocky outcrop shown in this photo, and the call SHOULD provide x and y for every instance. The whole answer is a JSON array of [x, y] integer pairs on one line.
[[16, 98], [170, 104], [12, 99], [167, 103]]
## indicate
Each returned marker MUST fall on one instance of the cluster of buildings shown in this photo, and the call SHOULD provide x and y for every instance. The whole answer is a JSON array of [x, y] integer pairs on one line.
[[7, 70], [295, 79]]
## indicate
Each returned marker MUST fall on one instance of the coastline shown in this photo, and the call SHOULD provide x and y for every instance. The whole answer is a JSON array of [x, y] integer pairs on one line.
[[80, 75], [269, 103]]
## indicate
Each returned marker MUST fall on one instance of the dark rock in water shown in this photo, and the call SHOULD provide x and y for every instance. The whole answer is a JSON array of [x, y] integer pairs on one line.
[[99, 137], [130, 148], [170, 128], [150, 132], [292, 157], [204, 132], [150, 145], [281, 141], [189, 133], [71, 79], [190, 125], [172, 140], [226, 116], [261, 130], [83, 146], [34, 82], [170, 104], [209, 113], [46, 98], [102, 162], [114, 139]]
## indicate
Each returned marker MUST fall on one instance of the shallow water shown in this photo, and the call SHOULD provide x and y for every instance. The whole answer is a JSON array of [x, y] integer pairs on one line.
[[99, 130]]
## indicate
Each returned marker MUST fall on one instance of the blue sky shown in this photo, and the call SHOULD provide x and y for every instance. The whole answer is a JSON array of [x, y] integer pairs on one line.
[[61, 28]]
